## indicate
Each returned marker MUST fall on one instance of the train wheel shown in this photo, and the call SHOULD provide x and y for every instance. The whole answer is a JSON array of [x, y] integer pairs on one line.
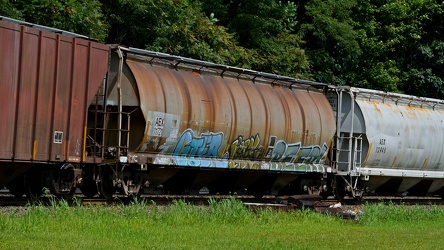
[[339, 194], [258, 194], [106, 185], [69, 195], [324, 195], [61, 181], [89, 188], [441, 193], [17, 186], [33, 185], [339, 189]]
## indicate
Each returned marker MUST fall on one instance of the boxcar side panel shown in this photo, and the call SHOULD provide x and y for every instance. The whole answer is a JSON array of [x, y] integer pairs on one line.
[[47, 81], [28, 93], [45, 96], [10, 47]]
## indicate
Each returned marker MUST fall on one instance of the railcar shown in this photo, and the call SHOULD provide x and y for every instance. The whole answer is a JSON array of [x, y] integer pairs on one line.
[[154, 122], [112, 119], [180, 125], [387, 143], [48, 78]]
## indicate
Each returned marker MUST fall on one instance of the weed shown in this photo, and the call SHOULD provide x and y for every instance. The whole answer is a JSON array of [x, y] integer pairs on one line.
[[224, 224]]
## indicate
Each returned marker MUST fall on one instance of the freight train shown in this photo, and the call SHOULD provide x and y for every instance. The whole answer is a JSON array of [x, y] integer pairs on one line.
[[110, 119]]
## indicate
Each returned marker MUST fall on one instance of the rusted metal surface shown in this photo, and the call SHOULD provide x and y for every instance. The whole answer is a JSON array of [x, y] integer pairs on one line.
[[204, 120], [404, 133], [47, 81], [402, 148]]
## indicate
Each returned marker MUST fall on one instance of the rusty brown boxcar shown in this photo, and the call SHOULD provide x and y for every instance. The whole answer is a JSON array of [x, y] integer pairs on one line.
[[47, 81]]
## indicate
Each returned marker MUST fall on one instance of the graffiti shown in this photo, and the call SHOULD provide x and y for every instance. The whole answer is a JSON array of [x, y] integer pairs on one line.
[[313, 154], [249, 148], [202, 163], [296, 167], [281, 151], [170, 140], [284, 152], [270, 148], [191, 150], [205, 145], [236, 164], [244, 165]]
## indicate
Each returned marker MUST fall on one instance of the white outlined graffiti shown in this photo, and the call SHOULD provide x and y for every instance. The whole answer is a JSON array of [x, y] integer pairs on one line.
[[295, 153], [205, 145], [249, 148], [313, 154]]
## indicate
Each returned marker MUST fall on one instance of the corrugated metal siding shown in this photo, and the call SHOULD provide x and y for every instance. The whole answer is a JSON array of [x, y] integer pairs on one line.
[[47, 82], [247, 117]]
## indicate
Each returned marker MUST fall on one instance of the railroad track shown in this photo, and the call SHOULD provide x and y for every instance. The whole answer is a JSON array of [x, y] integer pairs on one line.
[[7, 199], [279, 202]]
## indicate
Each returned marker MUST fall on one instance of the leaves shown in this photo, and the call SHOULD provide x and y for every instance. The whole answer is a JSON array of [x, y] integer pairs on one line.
[[83, 17], [380, 44]]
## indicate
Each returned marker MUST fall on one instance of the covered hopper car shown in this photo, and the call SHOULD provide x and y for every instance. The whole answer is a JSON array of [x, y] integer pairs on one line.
[[387, 143], [107, 119]]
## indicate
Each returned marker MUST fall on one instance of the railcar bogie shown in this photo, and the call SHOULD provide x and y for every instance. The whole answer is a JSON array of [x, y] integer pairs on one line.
[[88, 184]]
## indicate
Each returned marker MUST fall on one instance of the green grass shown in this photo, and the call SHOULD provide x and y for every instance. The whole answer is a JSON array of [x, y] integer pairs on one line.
[[225, 224]]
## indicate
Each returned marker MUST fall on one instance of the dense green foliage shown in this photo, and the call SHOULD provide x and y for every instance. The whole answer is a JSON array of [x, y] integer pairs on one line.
[[80, 16], [225, 224], [380, 44]]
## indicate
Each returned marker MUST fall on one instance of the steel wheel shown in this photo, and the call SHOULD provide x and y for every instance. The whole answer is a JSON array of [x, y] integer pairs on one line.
[[68, 196], [106, 185], [339, 188], [17, 186], [89, 187], [33, 185]]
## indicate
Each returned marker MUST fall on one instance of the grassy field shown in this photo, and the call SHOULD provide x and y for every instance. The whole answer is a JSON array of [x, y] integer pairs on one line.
[[225, 224]]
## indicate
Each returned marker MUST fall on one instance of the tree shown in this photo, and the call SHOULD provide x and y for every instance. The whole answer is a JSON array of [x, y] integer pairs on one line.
[[79, 16], [8, 9], [177, 27], [402, 44], [186, 31], [332, 41], [424, 64], [265, 28], [380, 44]]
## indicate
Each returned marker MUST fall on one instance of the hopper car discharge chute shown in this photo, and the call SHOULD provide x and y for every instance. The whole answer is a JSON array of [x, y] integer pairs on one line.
[[189, 124]]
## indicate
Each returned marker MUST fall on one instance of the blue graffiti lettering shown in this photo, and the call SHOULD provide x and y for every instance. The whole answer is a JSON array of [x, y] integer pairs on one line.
[[206, 145], [295, 153], [284, 152], [309, 154], [313, 154]]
